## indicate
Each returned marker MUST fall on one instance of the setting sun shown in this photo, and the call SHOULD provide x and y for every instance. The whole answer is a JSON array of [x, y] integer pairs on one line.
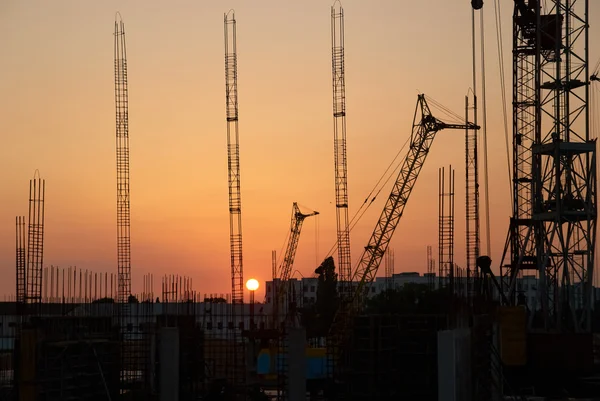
[[252, 284]]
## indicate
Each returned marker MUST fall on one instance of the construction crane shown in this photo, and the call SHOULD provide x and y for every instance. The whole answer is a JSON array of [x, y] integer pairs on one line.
[[285, 269], [424, 129], [553, 224]]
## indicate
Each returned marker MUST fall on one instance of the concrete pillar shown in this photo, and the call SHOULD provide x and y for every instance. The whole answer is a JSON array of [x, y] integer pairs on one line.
[[454, 365], [169, 364], [151, 363], [296, 364], [26, 371]]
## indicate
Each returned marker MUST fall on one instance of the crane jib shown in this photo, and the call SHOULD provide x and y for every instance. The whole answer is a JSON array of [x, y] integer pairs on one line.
[[425, 127]]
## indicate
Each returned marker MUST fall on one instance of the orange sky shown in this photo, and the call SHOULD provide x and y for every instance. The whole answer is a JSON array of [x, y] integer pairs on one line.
[[57, 115]]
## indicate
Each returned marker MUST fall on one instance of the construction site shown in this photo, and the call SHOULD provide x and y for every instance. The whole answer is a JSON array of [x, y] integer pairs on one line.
[[526, 327]]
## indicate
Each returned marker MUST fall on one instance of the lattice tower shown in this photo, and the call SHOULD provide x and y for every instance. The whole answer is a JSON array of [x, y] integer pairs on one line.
[[553, 226]]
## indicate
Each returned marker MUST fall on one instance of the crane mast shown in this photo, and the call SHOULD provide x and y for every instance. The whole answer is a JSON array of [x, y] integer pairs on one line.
[[553, 227], [285, 269], [339, 144], [233, 161], [425, 127]]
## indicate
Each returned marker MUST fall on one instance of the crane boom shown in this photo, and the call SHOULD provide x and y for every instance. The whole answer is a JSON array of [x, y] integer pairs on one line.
[[423, 133], [285, 269], [424, 128]]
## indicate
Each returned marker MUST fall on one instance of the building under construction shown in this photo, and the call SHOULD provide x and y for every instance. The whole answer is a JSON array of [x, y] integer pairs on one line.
[[477, 332]]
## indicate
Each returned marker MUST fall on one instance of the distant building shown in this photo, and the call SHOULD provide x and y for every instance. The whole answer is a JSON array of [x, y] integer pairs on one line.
[[305, 289]]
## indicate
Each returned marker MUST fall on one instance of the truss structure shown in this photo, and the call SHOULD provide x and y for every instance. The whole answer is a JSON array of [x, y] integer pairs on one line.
[[553, 228]]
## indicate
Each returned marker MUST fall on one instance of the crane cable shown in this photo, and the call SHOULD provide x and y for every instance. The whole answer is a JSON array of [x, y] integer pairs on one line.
[[484, 135], [370, 198], [500, 49], [594, 128], [434, 104]]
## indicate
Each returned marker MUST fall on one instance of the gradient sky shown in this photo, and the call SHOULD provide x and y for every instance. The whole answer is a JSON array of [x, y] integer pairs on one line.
[[57, 115]]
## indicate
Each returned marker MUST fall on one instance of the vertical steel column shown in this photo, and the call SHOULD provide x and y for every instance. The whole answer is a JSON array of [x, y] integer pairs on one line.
[[122, 159], [21, 262], [236, 365], [446, 230], [35, 243], [233, 161], [339, 146], [471, 197]]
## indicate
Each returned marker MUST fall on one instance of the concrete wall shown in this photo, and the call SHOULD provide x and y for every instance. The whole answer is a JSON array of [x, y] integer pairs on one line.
[[296, 366]]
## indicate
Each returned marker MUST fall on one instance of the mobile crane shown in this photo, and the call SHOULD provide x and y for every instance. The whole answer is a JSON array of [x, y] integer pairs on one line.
[[424, 129], [282, 287]]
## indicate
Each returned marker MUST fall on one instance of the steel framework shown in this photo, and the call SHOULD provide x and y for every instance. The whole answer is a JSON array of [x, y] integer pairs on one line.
[[233, 160], [122, 158], [446, 230], [472, 240], [339, 144], [35, 242], [21, 261], [553, 228]]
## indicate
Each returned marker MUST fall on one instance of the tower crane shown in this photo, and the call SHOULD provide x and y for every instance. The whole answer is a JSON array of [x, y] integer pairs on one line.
[[285, 269], [424, 129]]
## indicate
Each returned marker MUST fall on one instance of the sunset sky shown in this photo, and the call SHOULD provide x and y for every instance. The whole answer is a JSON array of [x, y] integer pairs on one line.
[[57, 115]]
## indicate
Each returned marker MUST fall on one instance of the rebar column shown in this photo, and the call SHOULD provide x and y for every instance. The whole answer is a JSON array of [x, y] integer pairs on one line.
[[21, 262], [35, 242], [233, 161], [339, 146], [446, 230]]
